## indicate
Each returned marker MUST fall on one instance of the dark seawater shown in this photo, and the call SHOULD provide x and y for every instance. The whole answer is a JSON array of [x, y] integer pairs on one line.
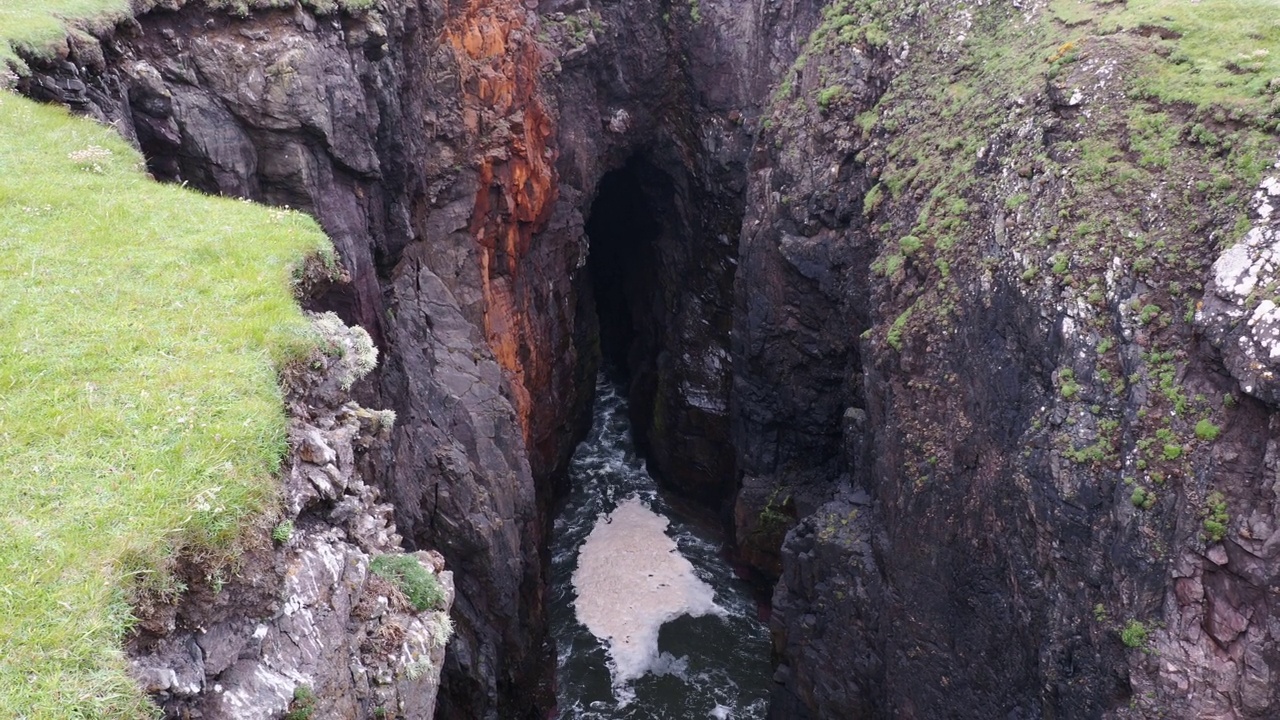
[[707, 667]]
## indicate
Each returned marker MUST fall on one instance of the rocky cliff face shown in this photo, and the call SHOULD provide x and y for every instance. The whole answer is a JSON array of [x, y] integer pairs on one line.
[[1047, 472], [315, 111], [954, 304]]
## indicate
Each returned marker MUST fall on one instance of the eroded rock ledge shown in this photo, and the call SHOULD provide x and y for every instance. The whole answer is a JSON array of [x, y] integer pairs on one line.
[[299, 621]]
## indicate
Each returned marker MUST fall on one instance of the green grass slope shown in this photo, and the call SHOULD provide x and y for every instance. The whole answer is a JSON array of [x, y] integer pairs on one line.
[[34, 24], [141, 327]]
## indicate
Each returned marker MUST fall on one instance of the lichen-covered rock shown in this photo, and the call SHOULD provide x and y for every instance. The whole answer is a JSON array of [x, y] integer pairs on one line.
[[1239, 313]]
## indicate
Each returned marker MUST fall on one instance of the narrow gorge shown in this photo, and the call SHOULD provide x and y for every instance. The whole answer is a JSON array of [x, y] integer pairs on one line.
[[950, 326]]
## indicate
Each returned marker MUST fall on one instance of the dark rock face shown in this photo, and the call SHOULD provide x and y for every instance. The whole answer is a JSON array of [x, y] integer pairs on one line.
[[664, 318], [652, 158], [1026, 488], [801, 303], [453, 155]]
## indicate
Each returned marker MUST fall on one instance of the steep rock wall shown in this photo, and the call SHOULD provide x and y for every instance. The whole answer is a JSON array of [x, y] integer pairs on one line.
[[959, 364], [1045, 487], [452, 153]]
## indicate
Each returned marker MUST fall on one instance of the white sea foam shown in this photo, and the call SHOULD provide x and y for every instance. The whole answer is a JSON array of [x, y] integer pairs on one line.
[[631, 580]]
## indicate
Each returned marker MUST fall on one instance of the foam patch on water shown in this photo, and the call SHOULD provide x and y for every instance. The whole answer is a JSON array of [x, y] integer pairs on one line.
[[630, 581]]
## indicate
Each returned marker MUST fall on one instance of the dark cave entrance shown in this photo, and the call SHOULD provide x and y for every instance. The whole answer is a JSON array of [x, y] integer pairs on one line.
[[661, 262], [622, 229]]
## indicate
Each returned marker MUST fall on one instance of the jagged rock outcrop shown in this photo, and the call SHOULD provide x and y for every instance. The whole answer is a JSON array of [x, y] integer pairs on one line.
[[1239, 311], [302, 622]]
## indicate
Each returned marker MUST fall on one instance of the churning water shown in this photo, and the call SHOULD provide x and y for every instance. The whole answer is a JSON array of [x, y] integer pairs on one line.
[[649, 619]]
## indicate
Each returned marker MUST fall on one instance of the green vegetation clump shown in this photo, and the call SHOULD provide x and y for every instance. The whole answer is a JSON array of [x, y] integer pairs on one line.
[[1207, 431], [419, 586], [140, 412], [829, 95], [774, 517], [34, 26], [1142, 499], [1070, 388], [894, 337], [303, 706], [440, 626], [1216, 517], [1134, 634], [282, 532]]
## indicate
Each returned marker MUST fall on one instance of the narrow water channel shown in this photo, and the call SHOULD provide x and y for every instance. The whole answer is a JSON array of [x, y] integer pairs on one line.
[[625, 566]]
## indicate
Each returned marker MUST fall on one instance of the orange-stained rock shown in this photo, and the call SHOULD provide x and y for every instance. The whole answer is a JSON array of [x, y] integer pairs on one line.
[[517, 188]]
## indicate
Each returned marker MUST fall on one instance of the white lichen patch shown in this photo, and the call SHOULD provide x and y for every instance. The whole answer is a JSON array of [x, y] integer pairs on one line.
[[1240, 311], [353, 347]]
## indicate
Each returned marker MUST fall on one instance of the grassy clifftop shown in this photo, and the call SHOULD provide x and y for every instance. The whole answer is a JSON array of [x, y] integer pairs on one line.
[[140, 331]]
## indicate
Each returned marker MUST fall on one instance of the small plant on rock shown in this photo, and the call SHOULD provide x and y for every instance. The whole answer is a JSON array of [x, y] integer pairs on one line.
[[419, 586], [1216, 517], [1207, 431], [1134, 634], [829, 95], [1142, 498], [303, 706], [282, 532]]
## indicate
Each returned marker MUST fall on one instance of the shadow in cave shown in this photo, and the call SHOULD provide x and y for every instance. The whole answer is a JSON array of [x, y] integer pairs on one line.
[[622, 229], [661, 271]]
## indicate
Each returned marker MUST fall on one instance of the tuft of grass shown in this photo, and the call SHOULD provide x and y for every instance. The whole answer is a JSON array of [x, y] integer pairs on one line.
[[1216, 517], [1134, 634], [894, 336], [1142, 499], [829, 95], [141, 328], [421, 587], [36, 27], [283, 532], [303, 706]]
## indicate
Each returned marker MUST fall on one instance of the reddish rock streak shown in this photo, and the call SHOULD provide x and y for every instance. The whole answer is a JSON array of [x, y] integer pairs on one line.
[[503, 110]]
